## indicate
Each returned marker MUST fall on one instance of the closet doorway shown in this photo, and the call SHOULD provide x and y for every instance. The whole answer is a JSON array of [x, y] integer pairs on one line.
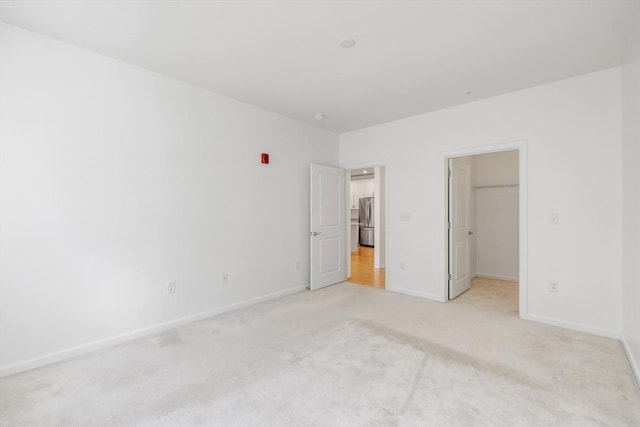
[[483, 223]]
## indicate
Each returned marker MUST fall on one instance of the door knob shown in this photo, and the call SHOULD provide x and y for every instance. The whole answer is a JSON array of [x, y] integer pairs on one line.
[[469, 232], [315, 233]]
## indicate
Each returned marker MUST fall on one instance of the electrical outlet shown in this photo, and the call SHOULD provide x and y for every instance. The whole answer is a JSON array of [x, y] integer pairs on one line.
[[402, 266], [553, 286], [224, 278], [171, 287]]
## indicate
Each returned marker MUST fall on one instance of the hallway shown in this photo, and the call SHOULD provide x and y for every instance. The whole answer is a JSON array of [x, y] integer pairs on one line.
[[362, 271]]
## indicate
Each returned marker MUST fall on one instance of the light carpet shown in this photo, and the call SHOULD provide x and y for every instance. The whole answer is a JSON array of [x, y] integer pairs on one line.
[[347, 355]]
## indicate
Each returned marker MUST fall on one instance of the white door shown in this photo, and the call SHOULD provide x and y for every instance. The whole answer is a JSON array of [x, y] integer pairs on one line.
[[459, 228], [328, 226]]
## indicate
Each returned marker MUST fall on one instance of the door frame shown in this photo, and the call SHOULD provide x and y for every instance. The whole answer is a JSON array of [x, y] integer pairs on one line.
[[521, 146], [360, 165]]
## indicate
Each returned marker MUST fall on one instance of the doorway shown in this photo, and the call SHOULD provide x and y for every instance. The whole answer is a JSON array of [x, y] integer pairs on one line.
[[367, 218], [485, 220]]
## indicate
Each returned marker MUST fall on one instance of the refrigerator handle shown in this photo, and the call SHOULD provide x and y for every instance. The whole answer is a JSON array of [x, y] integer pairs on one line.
[[368, 214]]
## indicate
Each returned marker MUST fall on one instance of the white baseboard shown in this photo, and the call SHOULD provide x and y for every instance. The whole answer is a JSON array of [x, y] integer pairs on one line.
[[415, 293], [571, 325], [496, 277], [632, 361], [68, 353]]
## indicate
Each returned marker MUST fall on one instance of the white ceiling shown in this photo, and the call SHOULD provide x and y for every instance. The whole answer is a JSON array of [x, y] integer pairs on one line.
[[410, 57]]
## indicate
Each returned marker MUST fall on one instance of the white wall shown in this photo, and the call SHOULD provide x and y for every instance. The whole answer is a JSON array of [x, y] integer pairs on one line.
[[574, 168], [500, 168], [115, 180], [496, 202], [631, 200]]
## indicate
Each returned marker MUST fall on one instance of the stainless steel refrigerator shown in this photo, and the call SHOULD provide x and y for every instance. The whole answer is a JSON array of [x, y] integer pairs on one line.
[[366, 221]]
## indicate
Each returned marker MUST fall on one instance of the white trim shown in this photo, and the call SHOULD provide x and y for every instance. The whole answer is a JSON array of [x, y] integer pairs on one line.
[[495, 277], [347, 220], [573, 326], [415, 293], [485, 149], [369, 164], [68, 353], [632, 362], [521, 146]]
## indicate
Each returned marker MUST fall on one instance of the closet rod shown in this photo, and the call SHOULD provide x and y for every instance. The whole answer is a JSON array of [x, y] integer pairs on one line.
[[497, 186]]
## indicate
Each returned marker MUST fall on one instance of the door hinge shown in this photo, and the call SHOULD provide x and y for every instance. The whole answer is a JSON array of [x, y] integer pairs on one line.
[[449, 173], [448, 226], [449, 276]]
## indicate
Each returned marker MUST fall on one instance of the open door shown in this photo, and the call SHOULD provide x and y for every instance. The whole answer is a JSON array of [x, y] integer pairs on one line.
[[459, 228], [328, 226]]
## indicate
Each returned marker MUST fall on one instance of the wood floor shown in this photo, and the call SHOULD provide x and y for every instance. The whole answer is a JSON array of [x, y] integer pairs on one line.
[[362, 271]]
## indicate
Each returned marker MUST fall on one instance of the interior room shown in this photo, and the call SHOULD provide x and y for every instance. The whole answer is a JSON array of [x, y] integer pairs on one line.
[[177, 213], [367, 214], [485, 225]]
